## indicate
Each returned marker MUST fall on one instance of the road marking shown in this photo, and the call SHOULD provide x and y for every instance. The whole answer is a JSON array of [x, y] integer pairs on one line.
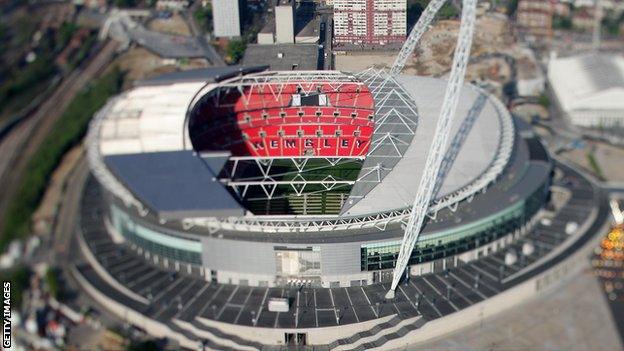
[[443, 296], [315, 309], [243, 305], [201, 313], [266, 292], [408, 299], [194, 298], [369, 303], [353, 308], [425, 298], [476, 290]]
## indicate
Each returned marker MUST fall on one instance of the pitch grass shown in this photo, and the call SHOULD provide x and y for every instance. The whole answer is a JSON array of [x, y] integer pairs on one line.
[[67, 131]]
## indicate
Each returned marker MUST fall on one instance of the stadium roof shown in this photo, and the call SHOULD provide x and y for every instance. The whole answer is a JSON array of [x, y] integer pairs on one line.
[[206, 75], [478, 139], [151, 119], [177, 184], [588, 82], [527, 170], [283, 57]]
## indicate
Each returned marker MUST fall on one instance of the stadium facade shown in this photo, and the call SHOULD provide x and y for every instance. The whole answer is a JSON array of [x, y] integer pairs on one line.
[[287, 179]]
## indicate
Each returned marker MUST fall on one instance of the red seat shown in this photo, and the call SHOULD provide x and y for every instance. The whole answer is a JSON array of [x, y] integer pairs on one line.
[[260, 121]]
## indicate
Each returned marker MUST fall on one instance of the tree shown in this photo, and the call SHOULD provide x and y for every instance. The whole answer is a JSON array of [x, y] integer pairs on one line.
[[562, 22], [236, 50], [543, 100], [125, 3], [51, 279], [20, 281], [512, 6], [148, 345], [448, 11], [203, 17]]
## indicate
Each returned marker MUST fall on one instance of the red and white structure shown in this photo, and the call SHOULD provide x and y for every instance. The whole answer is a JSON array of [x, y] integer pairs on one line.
[[323, 118], [376, 22]]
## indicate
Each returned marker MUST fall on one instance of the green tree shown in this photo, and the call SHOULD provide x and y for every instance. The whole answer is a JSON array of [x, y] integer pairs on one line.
[[68, 130], [64, 34], [512, 6], [203, 17], [20, 281], [448, 11], [236, 50], [560, 22], [148, 345], [544, 100], [52, 282], [125, 3]]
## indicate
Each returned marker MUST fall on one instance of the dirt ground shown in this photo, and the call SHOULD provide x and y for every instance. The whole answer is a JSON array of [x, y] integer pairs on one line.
[[174, 25], [139, 63], [609, 159], [434, 54]]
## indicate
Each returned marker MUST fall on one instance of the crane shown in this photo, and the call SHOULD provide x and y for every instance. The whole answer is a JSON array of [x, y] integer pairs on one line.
[[438, 147]]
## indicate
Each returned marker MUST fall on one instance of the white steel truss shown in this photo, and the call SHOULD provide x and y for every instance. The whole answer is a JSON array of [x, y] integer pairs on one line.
[[439, 144], [267, 179]]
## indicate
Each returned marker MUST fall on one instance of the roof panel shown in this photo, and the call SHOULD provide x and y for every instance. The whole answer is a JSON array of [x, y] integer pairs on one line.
[[175, 184], [477, 130]]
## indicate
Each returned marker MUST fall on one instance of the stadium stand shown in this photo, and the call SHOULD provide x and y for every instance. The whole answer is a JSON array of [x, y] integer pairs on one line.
[[286, 119]]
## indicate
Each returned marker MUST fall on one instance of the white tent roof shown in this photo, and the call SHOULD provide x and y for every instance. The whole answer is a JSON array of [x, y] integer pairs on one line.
[[588, 82], [148, 119]]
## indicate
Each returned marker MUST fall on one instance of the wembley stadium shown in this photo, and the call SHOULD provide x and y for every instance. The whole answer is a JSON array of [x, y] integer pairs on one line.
[[275, 202], [276, 178]]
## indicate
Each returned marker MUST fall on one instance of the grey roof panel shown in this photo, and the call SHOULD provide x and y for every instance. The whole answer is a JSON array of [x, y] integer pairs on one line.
[[211, 74], [394, 183], [602, 71], [304, 56], [176, 184]]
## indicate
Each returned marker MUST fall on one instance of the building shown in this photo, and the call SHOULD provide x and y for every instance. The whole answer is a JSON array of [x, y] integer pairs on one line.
[[283, 57], [248, 209], [535, 17], [314, 133], [584, 19], [285, 22], [289, 24], [531, 81], [172, 5], [594, 95], [226, 18], [375, 22]]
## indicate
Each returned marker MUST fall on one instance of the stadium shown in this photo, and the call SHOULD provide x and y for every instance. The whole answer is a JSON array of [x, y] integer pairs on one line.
[[241, 207], [281, 178]]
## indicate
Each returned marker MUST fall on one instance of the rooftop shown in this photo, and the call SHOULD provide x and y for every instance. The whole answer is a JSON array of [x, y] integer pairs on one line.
[[283, 57], [207, 75], [597, 82], [151, 119], [177, 184]]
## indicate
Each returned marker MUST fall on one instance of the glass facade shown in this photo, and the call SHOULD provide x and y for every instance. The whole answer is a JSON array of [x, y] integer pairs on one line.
[[383, 255], [163, 245]]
